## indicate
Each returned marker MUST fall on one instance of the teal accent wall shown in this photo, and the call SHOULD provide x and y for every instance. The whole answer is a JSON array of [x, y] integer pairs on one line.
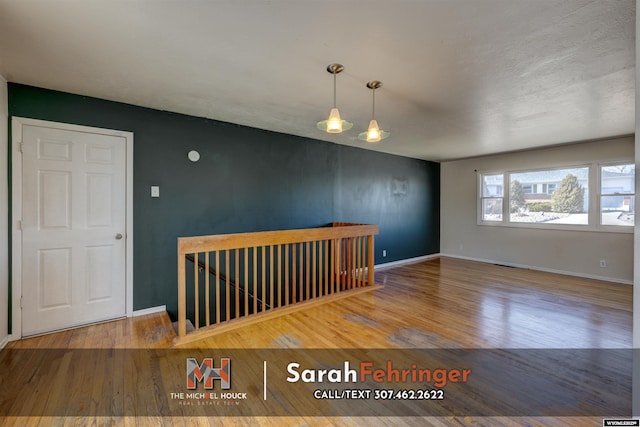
[[246, 180]]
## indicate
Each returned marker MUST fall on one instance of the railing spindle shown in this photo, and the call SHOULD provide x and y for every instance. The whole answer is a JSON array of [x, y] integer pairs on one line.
[[279, 275], [355, 262], [286, 274], [294, 285], [255, 279], [227, 287], [360, 258], [308, 270], [361, 265], [321, 263], [337, 264], [246, 281], [370, 259], [182, 294], [207, 296], [272, 257], [264, 277], [313, 269], [345, 252], [218, 287], [326, 266], [196, 276], [237, 280], [301, 272]]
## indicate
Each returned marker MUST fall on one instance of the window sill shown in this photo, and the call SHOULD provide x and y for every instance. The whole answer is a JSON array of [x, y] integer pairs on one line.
[[561, 227]]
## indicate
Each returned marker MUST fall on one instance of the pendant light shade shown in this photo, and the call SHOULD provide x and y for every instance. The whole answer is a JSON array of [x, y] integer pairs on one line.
[[373, 133], [334, 124]]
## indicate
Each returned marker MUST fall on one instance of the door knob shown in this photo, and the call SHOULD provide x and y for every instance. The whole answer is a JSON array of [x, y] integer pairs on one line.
[[118, 236]]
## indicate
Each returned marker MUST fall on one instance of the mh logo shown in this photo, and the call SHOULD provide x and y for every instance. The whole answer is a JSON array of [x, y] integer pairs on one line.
[[207, 373]]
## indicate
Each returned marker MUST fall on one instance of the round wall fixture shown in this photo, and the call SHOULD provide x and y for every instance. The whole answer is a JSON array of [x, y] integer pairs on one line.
[[194, 156]]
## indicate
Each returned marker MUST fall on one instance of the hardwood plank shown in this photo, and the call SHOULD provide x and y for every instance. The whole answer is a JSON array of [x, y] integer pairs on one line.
[[225, 327], [440, 303]]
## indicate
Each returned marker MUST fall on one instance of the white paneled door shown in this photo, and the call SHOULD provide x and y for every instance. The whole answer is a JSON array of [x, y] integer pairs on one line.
[[73, 228]]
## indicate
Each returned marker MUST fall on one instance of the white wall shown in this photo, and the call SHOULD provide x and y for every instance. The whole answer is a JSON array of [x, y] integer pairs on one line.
[[573, 252], [4, 212]]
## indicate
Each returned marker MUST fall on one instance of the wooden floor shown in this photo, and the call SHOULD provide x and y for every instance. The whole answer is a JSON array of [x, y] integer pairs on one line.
[[441, 303]]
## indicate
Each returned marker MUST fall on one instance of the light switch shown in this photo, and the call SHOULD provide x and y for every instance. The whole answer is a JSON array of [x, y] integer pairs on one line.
[[155, 191]]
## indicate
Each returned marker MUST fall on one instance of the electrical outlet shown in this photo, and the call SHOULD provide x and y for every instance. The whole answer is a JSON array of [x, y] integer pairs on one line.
[[603, 263], [384, 252]]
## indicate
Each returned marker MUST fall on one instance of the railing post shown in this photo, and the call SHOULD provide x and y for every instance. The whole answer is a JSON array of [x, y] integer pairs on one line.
[[182, 295], [370, 260]]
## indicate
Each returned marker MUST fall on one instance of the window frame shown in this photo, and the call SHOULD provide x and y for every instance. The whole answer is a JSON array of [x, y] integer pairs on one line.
[[594, 198], [482, 197], [600, 195]]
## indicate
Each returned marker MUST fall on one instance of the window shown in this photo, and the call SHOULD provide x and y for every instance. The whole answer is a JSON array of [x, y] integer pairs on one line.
[[541, 200], [492, 196], [560, 198], [617, 194]]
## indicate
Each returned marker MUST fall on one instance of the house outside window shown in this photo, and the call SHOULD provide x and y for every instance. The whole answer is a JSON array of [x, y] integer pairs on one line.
[[560, 198], [617, 194], [539, 205]]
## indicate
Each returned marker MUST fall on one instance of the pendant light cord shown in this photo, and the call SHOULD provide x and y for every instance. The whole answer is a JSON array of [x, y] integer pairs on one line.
[[334, 90], [373, 112]]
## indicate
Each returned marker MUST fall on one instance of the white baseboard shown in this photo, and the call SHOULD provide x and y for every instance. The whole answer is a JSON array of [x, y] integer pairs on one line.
[[398, 263], [150, 310], [547, 270], [4, 342]]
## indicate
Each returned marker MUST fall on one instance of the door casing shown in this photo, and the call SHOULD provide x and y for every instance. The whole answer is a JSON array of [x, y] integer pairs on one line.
[[16, 211]]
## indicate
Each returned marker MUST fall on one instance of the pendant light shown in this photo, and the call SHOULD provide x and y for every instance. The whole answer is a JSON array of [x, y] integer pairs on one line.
[[373, 133], [334, 124]]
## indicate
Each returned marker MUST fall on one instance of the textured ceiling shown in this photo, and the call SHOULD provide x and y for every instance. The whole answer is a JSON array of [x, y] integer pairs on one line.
[[461, 77]]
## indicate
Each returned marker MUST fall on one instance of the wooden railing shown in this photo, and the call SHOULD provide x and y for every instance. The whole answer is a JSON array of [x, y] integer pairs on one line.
[[229, 280]]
